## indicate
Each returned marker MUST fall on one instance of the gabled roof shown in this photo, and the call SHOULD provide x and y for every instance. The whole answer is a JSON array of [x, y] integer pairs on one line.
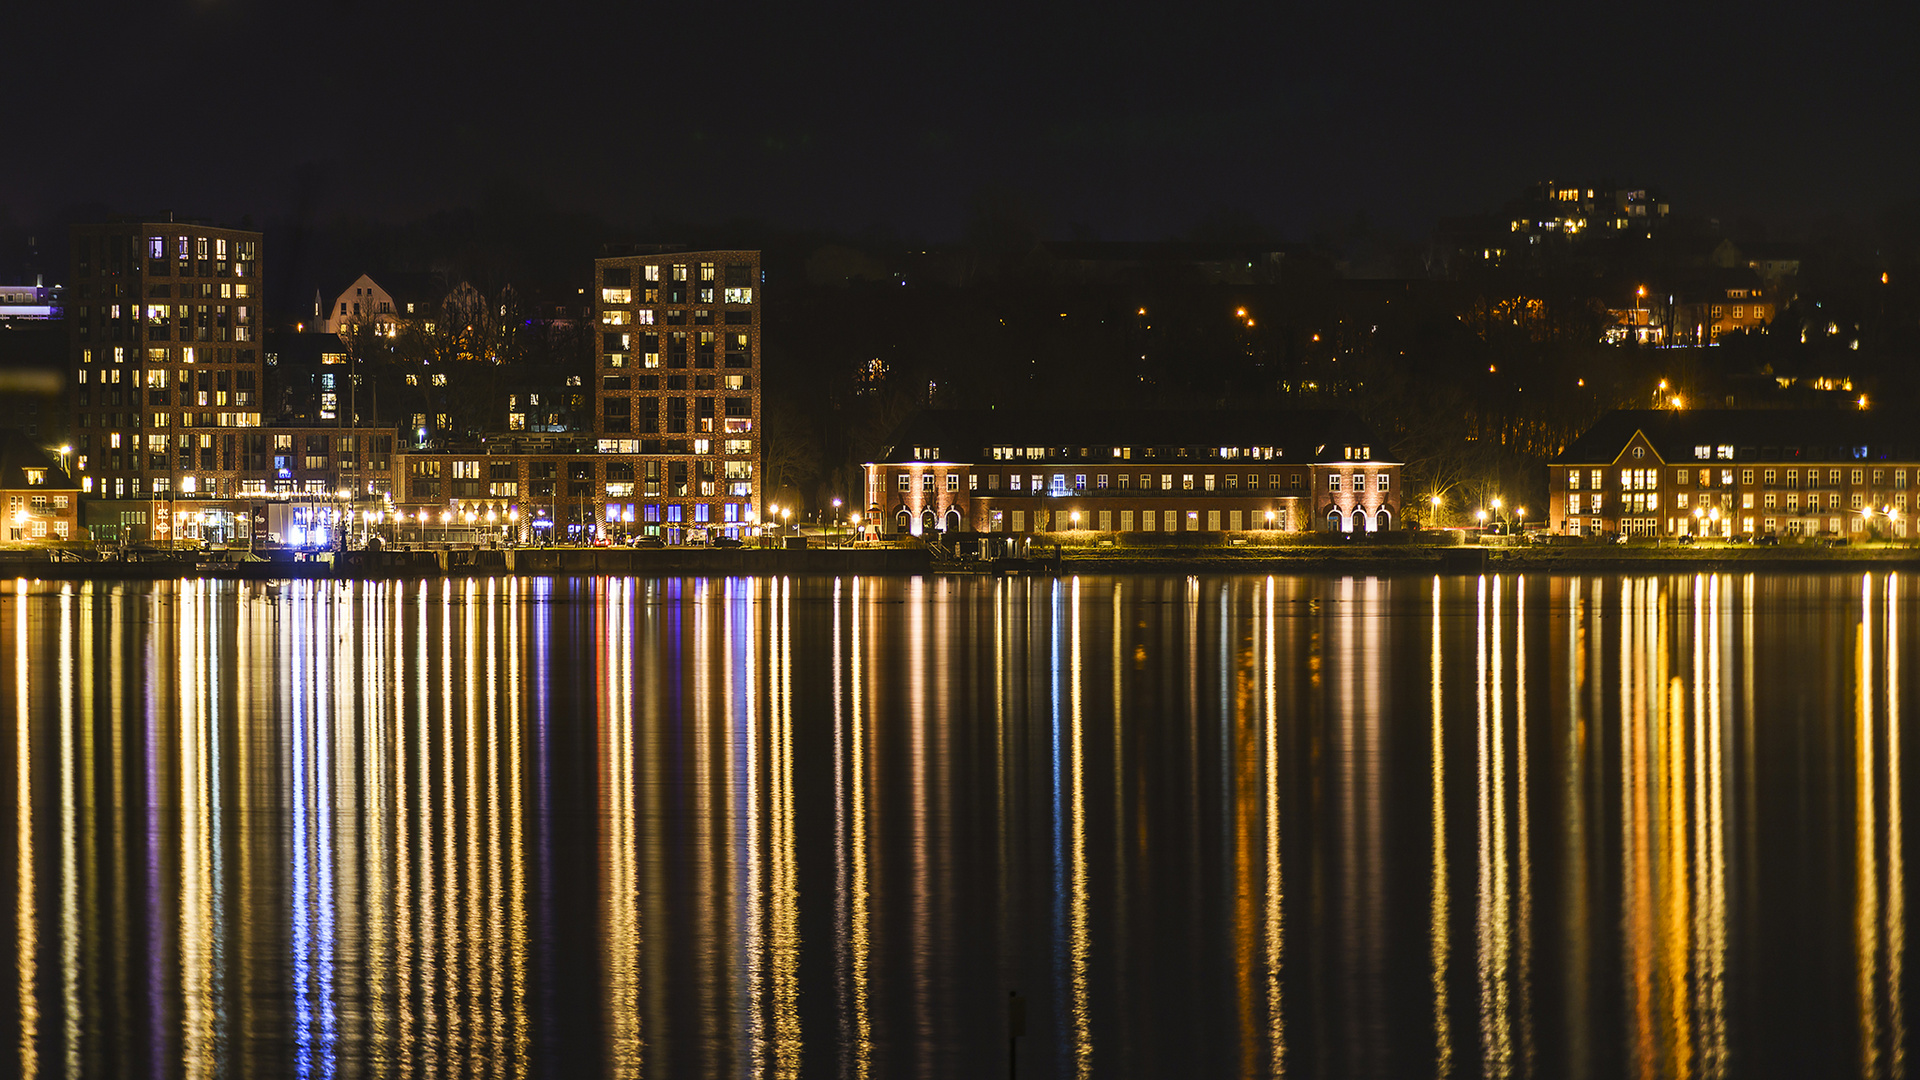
[[967, 435], [18, 454], [1835, 435]]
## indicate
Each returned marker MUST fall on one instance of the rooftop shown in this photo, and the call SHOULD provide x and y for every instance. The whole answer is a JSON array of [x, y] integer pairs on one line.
[[1752, 434], [1091, 436]]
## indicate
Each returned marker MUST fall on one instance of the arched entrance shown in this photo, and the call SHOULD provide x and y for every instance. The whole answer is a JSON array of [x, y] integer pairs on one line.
[[1335, 521], [903, 521], [953, 520], [926, 521], [1383, 520]]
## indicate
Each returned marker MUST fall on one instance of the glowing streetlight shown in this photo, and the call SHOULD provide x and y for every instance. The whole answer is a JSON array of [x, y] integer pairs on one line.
[[1481, 516], [1074, 519], [1269, 519]]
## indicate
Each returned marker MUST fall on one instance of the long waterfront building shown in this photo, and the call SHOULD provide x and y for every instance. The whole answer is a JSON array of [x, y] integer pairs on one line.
[[1724, 473], [1015, 471]]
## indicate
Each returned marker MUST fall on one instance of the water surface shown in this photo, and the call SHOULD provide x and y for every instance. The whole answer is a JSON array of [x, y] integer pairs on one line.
[[1565, 826]]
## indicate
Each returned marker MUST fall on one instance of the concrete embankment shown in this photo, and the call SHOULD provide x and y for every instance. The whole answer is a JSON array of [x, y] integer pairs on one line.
[[1416, 559], [1293, 558], [559, 562]]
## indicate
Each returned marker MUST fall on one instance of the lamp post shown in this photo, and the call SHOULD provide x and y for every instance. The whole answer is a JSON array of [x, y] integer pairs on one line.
[[1269, 520], [855, 519]]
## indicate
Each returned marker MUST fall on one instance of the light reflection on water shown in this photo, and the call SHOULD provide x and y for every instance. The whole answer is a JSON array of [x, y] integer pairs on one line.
[[1501, 826]]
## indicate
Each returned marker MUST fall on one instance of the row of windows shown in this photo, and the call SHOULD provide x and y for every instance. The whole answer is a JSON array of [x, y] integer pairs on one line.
[[1132, 521], [1634, 502], [670, 317], [737, 274], [676, 513], [1646, 479], [1126, 453], [36, 529], [1038, 482], [1685, 526]]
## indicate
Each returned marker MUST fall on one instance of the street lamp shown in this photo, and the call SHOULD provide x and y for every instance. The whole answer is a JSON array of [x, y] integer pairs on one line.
[[855, 519], [1074, 519], [1269, 519]]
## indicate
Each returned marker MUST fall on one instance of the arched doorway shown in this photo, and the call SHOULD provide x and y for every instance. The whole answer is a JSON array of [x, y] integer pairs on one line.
[[926, 521], [903, 521], [953, 520], [1383, 520], [1335, 521]]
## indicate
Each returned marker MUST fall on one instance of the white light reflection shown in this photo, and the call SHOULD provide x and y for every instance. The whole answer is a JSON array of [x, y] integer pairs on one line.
[[1440, 947], [26, 918]]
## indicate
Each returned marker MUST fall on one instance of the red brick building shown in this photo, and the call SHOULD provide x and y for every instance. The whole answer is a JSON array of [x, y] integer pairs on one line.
[[1727, 473], [40, 503], [1004, 471], [163, 330]]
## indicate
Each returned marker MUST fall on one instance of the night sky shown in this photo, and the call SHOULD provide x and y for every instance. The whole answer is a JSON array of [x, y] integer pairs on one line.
[[1099, 120]]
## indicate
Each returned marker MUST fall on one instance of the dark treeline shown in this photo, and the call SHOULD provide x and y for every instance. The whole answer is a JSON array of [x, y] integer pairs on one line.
[[1474, 373]]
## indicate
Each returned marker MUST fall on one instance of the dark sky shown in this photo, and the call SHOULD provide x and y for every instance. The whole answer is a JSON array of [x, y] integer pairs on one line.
[[1132, 122]]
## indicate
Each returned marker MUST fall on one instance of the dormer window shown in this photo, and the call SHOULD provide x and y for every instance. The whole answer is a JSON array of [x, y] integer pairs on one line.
[[36, 477]]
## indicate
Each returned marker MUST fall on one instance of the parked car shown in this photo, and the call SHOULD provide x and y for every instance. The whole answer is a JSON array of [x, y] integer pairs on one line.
[[1767, 539], [728, 542], [649, 542]]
